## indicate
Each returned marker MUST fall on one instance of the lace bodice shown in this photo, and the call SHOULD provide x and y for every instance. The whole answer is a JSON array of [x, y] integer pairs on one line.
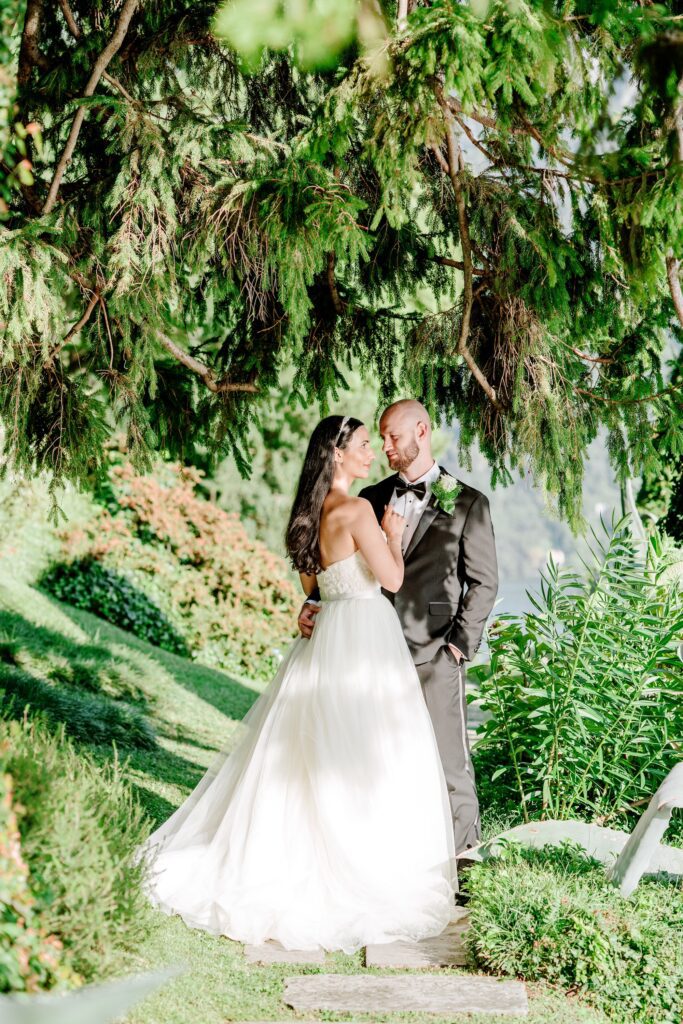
[[350, 577]]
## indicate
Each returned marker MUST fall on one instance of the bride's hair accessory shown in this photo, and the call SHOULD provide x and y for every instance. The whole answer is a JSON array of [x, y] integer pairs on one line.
[[341, 429]]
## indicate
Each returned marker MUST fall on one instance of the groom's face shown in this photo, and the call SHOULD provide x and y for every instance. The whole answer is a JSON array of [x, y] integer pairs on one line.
[[399, 441]]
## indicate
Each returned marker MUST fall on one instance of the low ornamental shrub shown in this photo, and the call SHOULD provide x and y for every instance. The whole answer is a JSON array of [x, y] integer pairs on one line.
[[31, 960], [551, 915], [228, 596], [86, 583], [79, 830], [585, 692]]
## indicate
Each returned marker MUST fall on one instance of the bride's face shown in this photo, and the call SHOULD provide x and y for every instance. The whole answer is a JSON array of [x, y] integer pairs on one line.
[[358, 456]]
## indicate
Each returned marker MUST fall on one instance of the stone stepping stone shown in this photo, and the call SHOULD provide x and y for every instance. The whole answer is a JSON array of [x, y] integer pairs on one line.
[[272, 952], [445, 950], [416, 993]]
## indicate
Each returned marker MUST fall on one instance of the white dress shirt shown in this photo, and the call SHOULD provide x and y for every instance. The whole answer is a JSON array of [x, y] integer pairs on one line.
[[410, 506]]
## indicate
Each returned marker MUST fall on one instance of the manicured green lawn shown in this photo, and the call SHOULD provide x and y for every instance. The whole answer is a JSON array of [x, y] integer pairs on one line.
[[194, 712]]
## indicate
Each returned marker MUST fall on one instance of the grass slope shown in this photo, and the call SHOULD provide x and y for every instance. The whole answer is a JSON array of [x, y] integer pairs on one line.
[[194, 712]]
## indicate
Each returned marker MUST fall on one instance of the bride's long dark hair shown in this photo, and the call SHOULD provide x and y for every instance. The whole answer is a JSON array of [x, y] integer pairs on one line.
[[303, 530]]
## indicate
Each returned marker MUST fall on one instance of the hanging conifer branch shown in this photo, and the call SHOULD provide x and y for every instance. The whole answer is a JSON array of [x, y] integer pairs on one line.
[[455, 171], [215, 215], [332, 285], [446, 261], [673, 264], [114, 44], [217, 386], [672, 272], [29, 51], [75, 31]]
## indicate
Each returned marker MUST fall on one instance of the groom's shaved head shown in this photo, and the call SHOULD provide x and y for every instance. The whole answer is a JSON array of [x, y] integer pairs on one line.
[[409, 412], [407, 436]]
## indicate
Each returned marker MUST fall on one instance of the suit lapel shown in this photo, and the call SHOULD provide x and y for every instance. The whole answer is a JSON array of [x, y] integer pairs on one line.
[[425, 521], [381, 495]]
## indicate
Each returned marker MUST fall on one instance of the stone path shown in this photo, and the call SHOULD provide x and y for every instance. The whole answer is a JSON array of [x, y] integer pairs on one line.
[[417, 993], [445, 950], [274, 953], [426, 993]]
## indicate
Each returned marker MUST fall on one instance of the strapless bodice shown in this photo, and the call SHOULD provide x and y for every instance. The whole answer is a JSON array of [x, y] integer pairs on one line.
[[348, 578]]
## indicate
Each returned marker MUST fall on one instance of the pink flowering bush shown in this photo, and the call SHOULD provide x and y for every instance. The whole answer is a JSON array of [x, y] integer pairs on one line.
[[228, 597]]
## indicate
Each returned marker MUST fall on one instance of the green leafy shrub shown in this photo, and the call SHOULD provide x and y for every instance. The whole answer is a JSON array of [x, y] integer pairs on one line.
[[79, 830], [586, 692], [551, 915], [31, 960], [229, 597], [86, 583]]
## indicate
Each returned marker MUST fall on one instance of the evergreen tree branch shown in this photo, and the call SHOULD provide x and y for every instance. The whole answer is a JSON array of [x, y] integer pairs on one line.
[[631, 401], [29, 51], [607, 360], [455, 172], [672, 262], [95, 298], [446, 261], [75, 31], [114, 44], [71, 22], [402, 15], [440, 159], [216, 385], [332, 284], [672, 273], [475, 142]]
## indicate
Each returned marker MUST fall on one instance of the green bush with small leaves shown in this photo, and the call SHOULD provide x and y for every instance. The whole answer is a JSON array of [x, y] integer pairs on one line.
[[86, 583], [551, 915], [80, 828], [31, 960]]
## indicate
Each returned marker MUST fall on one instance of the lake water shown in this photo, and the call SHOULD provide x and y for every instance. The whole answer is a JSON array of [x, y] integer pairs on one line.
[[512, 600], [512, 596]]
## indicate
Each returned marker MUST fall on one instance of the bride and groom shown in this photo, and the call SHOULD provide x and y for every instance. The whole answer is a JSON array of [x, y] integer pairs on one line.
[[335, 822]]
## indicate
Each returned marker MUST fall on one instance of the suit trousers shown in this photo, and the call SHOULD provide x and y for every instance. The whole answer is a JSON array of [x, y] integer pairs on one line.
[[443, 685]]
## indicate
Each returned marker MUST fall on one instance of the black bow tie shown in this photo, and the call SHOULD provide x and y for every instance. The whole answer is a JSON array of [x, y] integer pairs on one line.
[[419, 490]]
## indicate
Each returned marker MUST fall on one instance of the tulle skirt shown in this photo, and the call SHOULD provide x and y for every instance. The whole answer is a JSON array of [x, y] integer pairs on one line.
[[329, 825]]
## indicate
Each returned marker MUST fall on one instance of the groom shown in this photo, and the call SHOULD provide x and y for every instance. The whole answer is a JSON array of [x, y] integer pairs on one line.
[[448, 590]]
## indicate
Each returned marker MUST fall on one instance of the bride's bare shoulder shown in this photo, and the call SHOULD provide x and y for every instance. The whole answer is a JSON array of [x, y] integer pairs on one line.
[[353, 508]]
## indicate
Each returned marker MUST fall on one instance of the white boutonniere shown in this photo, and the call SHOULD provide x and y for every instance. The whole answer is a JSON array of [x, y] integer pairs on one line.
[[445, 493]]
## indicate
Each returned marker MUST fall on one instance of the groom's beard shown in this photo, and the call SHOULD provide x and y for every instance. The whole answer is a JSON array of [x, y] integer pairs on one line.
[[404, 458]]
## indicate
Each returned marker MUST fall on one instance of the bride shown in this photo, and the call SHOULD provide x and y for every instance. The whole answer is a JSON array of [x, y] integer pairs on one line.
[[329, 825]]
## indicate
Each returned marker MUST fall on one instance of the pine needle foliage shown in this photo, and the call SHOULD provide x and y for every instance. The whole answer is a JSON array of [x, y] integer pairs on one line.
[[214, 224]]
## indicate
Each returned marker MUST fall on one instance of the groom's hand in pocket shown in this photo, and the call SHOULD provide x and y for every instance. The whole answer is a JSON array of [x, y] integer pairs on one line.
[[307, 618]]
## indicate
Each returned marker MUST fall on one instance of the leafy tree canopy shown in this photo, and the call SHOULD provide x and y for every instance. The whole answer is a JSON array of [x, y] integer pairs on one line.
[[196, 223]]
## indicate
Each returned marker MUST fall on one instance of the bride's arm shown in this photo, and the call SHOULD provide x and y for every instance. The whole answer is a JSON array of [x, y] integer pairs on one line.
[[383, 556], [309, 581]]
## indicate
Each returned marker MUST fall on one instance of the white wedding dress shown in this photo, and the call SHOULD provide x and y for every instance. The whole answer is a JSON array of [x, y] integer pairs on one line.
[[329, 826]]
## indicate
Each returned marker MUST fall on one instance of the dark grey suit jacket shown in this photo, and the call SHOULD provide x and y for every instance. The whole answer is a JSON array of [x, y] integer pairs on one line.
[[451, 573]]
